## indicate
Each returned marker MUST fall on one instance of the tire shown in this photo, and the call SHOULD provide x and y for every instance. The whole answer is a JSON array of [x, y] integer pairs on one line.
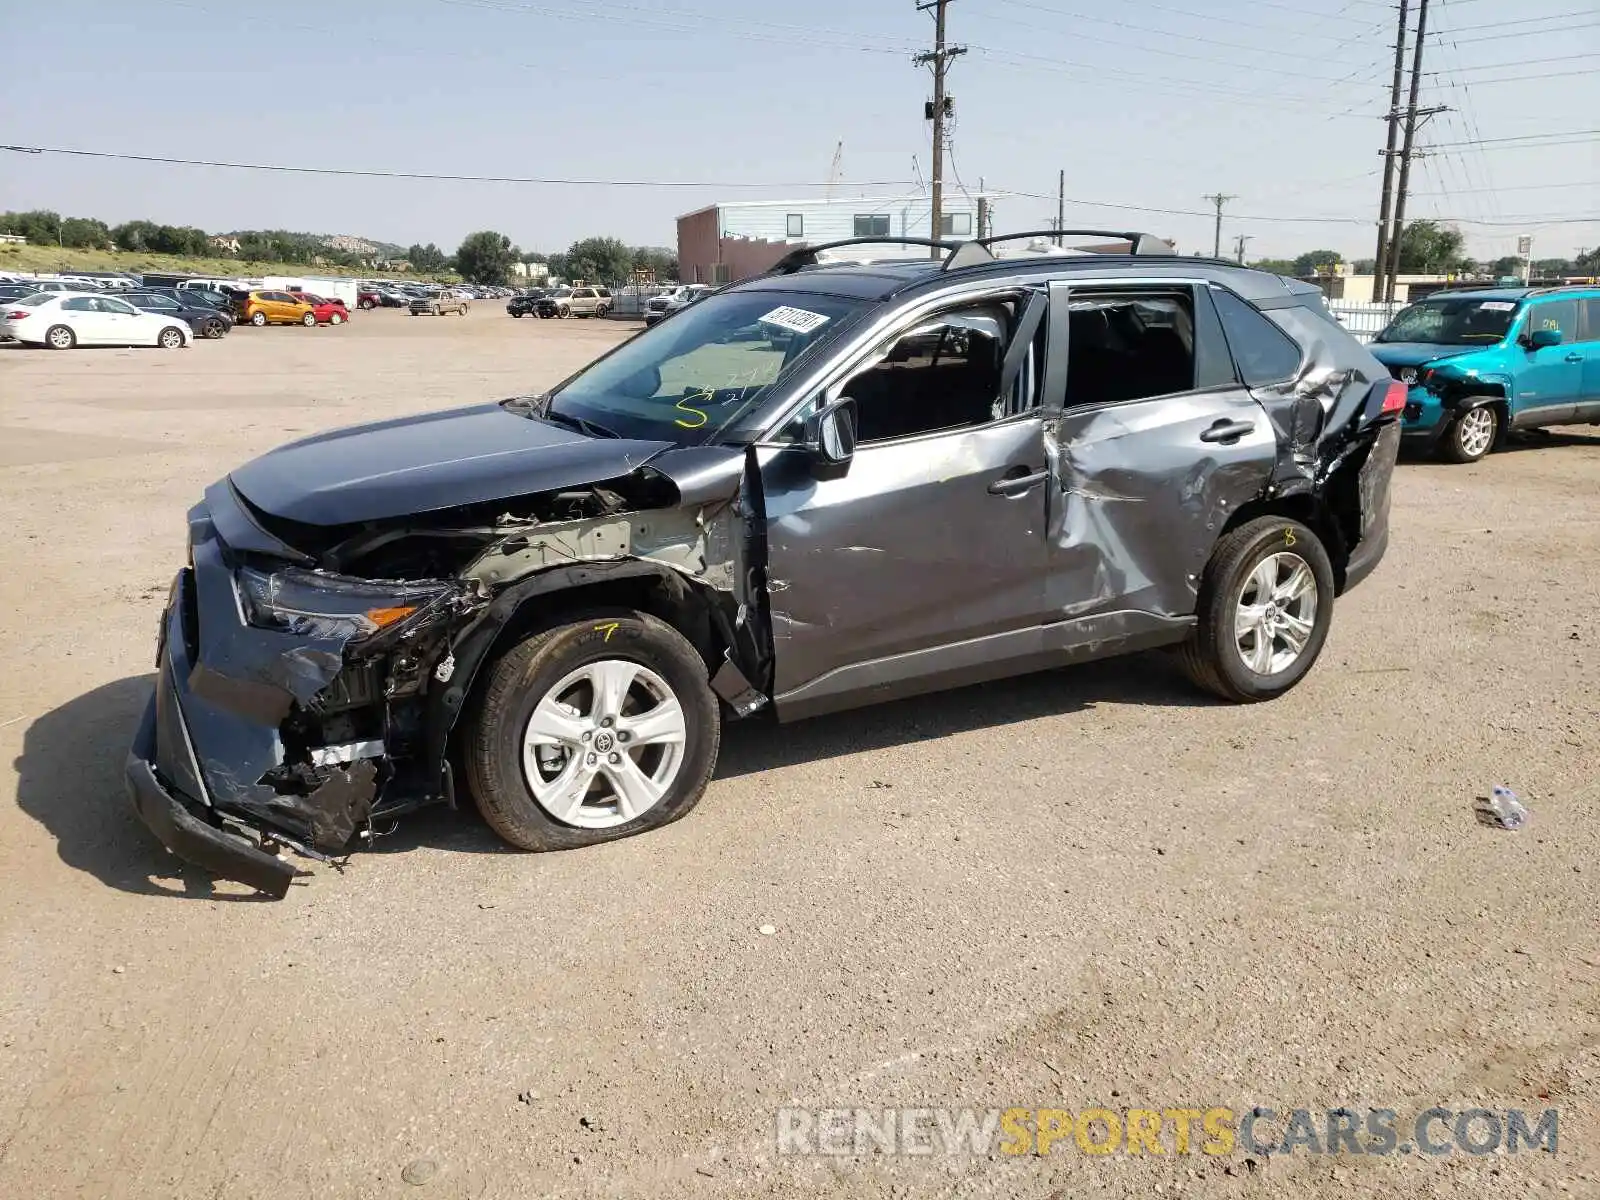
[[563, 313], [258, 319], [214, 330], [309, 320], [364, 305], [335, 319], [60, 337], [517, 315], [1214, 655], [170, 338], [1471, 435], [532, 675]]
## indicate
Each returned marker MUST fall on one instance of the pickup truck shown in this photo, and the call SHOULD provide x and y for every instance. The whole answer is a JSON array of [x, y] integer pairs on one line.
[[444, 302]]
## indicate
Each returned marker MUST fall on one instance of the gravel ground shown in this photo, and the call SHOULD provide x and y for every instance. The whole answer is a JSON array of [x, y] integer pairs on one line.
[[1089, 887]]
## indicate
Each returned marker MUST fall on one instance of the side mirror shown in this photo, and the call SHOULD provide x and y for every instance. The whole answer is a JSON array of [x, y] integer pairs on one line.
[[1539, 339], [832, 434]]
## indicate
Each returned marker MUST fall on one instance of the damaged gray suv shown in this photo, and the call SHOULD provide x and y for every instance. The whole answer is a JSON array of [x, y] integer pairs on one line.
[[829, 486]]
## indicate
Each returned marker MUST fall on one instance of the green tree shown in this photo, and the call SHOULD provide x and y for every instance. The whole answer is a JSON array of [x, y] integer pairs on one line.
[[134, 235], [1277, 266], [85, 233], [1309, 262], [533, 256], [1553, 268], [1364, 266], [1509, 265], [1587, 261], [663, 262], [40, 226], [1429, 248], [599, 260], [485, 257], [428, 259]]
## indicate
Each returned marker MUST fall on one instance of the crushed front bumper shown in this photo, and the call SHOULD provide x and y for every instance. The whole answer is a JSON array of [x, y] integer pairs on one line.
[[209, 757], [182, 826]]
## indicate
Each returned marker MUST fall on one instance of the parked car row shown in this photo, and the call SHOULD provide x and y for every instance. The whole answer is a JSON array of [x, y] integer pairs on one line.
[[579, 300]]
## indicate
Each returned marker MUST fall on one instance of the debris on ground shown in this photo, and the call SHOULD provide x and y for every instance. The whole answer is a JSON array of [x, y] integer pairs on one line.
[[767, 930], [420, 1171], [1501, 809]]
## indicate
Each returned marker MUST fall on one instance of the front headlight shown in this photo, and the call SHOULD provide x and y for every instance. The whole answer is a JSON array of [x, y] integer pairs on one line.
[[330, 606]]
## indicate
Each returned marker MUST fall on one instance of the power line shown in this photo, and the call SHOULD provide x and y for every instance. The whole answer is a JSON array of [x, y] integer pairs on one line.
[[1525, 137], [1520, 62], [350, 171]]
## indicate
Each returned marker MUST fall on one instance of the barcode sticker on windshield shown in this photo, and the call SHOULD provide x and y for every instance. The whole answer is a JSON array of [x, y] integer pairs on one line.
[[1497, 306], [796, 320]]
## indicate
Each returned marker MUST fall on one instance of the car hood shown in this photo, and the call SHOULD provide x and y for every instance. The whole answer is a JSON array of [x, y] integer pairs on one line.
[[1414, 354], [430, 462]]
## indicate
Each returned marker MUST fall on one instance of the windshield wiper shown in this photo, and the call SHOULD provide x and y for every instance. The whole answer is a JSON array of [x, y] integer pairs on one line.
[[578, 423]]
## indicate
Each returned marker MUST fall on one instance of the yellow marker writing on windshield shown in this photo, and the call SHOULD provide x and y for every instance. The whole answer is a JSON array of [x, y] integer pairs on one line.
[[683, 407]]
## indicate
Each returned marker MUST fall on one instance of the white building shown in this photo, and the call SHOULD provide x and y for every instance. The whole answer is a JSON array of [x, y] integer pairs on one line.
[[741, 238]]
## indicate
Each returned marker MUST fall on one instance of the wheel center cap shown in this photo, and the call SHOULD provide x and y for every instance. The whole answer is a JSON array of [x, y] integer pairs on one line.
[[603, 742]]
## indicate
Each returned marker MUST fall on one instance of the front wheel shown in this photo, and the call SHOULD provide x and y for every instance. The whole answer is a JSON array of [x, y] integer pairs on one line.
[[365, 305], [335, 319], [1266, 603], [594, 730], [1471, 435], [171, 338], [309, 320], [518, 315], [215, 330]]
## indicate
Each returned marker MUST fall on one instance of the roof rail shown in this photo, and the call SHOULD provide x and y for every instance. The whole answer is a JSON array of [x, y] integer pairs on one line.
[[971, 254], [806, 256], [1559, 287]]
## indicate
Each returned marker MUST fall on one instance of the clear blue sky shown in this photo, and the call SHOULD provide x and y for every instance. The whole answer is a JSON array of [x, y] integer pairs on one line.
[[1273, 101]]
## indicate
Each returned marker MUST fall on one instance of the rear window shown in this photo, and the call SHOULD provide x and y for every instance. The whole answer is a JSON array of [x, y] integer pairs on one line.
[[1264, 353], [35, 300]]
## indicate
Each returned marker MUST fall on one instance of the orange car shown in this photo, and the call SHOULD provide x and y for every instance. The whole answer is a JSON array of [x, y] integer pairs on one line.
[[273, 308]]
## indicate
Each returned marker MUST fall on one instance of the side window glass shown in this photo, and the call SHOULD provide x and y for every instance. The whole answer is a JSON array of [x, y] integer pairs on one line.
[[1265, 353], [1591, 320], [79, 304], [1558, 315], [945, 374], [1124, 346]]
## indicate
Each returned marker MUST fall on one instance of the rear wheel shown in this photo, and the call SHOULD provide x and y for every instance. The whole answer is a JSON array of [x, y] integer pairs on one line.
[[171, 338], [1471, 435], [60, 337], [258, 318], [1266, 603], [591, 731]]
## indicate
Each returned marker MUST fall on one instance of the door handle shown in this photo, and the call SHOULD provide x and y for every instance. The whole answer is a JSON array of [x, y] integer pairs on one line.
[[1016, 485], [1227, 431], [1574, 358]]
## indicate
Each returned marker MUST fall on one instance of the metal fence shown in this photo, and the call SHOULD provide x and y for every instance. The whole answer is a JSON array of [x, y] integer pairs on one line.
[[1364, 321]]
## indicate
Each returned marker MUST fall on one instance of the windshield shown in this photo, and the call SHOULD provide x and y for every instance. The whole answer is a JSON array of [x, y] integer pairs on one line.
[[688, 378], [1460, 321]]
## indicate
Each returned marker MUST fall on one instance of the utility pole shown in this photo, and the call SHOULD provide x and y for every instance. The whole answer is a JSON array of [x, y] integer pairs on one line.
[[1415, 117], [1239, 245], [1219, 200], [941, 107], [1061, 206], [1381, 262]]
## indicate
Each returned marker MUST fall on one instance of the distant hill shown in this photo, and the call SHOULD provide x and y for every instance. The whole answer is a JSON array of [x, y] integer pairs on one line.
[[343, 243]]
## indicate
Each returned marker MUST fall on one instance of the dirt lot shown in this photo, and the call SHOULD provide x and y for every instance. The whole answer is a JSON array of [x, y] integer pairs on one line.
[[1091, 887]]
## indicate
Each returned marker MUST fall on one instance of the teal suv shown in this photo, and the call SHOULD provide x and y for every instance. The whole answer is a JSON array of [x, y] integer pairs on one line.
[[1477, 364]]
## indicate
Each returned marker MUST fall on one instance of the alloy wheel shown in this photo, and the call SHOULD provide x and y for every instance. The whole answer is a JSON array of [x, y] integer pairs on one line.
[[1276, 613], [1477, 432], [604, 745]]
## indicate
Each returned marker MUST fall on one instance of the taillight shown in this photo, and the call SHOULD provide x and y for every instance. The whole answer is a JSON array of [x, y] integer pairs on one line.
[[1394, 399], [18, 315]]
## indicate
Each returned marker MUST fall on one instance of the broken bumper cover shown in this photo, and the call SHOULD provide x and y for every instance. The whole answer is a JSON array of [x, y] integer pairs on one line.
[[210, 747], [179, 827]]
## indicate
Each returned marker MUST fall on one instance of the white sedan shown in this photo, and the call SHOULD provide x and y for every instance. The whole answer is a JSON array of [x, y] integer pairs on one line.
[[62, 320]]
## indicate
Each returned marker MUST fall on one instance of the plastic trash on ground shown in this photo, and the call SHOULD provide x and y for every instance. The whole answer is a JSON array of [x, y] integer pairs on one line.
[[1501, 809]]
